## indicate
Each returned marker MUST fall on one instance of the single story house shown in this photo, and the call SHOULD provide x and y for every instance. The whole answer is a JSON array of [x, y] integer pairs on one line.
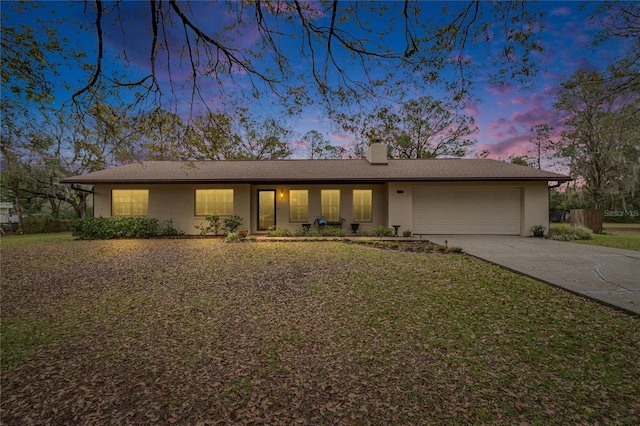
[[428, 196]]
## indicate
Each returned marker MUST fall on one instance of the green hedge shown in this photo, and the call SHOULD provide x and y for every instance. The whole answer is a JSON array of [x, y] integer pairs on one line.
[[107, 228]]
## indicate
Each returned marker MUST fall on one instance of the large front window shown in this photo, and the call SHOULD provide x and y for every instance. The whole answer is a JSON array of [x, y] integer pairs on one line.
[[129, 202], [362, 209], [298, 205], [330, 199], [211, 202]]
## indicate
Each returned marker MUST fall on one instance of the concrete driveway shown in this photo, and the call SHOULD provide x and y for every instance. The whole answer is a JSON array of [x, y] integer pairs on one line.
[[609, 275]]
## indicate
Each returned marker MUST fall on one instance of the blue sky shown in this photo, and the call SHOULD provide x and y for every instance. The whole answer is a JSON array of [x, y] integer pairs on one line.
[[504, 114]]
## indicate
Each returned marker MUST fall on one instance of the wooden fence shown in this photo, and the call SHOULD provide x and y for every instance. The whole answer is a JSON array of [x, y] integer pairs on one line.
[[589, 218]]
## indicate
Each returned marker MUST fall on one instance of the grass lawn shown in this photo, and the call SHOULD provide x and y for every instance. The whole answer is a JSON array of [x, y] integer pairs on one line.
[[618, 235], [196, 331]]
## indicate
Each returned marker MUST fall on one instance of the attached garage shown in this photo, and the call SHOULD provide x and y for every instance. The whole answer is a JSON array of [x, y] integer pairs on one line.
[[490, 211]]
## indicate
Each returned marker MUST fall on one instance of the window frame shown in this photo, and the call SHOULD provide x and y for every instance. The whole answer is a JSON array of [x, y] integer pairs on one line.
[[329, 217], [196, 213], [361, 206], [305, 207], [130, 204]]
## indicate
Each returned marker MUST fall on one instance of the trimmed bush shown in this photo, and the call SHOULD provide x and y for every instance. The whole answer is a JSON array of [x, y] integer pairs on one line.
[[383, 231], [331, 231], [569, 233], [234, 237], [107, 228], [276, 231]]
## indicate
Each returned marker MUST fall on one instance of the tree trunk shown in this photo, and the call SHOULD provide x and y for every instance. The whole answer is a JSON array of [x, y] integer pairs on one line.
[[18, 206]]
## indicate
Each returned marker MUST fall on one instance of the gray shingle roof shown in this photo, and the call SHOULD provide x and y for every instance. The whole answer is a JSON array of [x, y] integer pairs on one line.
[[308, 171]]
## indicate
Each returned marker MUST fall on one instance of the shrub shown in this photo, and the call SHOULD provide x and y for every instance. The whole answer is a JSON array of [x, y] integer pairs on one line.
[[406, 233], [276, 231], [231, 224], [383, 231], [537, 230], [107, 228], [213, 226], [569, 233], [331, 231], [233, 237], [169, 230]]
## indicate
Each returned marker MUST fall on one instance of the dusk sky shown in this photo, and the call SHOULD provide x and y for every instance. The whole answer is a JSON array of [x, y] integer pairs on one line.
[[504, 115]]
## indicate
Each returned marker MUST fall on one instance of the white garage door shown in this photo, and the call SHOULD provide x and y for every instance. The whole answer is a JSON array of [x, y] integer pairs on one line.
[[467, 211]]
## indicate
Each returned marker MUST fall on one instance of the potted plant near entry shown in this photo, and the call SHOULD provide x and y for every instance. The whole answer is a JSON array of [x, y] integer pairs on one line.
[[537, 230]]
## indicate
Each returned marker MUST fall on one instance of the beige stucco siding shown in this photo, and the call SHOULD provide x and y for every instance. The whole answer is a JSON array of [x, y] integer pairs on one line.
[[535, 206], [400, 205], [176, 202], [394, 203], [379, 216]]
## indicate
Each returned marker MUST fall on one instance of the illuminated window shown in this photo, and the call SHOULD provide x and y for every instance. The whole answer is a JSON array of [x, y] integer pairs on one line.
[[362, 209], [129, 202], [298, 205], [330, 199], [214, 202]]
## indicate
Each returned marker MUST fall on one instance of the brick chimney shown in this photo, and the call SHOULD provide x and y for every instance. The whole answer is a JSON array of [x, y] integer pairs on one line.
[[377, 153]]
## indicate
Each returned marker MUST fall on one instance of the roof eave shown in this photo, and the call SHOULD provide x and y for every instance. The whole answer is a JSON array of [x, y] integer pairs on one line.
[[318, 180]]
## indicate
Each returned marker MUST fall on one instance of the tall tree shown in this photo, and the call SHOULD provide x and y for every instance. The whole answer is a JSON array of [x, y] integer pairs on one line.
[[163, 136], [420, 128], [218, 136], [334, 52], [262, 139], [600, 141], [622, 21], [542, 144], [315, 146]]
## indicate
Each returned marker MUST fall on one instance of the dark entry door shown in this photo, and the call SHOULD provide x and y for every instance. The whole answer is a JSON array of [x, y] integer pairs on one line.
[[266, 209]]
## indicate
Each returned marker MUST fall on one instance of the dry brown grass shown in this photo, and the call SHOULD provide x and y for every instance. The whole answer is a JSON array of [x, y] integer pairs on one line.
[[203, 332]]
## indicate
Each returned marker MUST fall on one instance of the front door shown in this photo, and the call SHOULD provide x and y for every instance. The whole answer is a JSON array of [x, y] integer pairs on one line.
[[266, 209]]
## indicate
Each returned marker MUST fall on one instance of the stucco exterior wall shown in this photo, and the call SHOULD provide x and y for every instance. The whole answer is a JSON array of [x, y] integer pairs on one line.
[[346, 204], [392, 203], [176, 202], [400, 205], [535, 206]]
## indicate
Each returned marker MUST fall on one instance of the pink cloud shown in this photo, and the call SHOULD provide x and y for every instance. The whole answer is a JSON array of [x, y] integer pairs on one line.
[[533, 117], [514, 146], [473, 110], [341, 137], [561, 11], [501, 90]]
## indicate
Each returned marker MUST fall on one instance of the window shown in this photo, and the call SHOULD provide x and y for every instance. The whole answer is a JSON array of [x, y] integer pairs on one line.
[[129, 202], [330, 199], [362, 210], [214, 202], [298, 205]]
